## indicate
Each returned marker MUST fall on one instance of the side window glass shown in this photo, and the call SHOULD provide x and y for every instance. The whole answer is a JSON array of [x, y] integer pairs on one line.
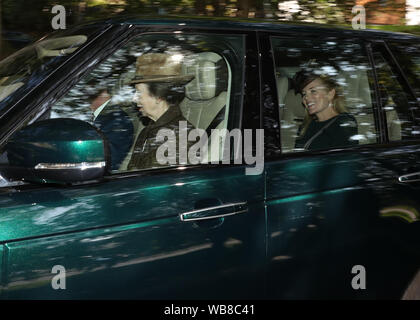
[[156, 83], [24, 69], [324, 93], [398, 103], [408, 57]]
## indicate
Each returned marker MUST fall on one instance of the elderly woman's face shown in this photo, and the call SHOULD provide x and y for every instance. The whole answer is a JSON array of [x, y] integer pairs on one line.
[[317, 97], [144, 100]]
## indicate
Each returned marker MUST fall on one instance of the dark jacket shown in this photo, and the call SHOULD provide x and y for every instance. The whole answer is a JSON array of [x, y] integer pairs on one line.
[[336, 132], [117, 127], [147, 144]]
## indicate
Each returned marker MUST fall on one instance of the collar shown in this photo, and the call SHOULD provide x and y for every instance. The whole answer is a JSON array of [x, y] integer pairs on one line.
[[172, 113]]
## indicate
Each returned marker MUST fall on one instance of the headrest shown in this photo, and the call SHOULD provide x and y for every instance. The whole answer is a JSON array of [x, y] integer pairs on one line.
[[288, 72], [293, 103], [210, 76]]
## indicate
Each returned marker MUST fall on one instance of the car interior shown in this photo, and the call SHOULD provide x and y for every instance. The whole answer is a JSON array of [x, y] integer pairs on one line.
[[206, 102], [358, 101]]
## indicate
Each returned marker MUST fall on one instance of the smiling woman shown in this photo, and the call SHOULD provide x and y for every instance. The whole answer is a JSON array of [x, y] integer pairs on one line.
[[324, 93], [327, 123], [155, 81]]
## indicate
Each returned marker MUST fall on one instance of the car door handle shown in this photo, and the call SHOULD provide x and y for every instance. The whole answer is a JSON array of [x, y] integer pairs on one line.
[[411, 177], [219, 211]]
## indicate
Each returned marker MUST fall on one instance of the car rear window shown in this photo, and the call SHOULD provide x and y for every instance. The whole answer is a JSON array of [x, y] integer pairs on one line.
[[408, 57]]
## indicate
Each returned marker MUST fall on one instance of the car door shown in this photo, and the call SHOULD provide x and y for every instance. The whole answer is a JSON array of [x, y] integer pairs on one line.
[[195, 231], [340, 223]]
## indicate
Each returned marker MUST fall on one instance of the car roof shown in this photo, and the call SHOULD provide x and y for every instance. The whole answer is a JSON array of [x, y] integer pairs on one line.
[[225, 23]]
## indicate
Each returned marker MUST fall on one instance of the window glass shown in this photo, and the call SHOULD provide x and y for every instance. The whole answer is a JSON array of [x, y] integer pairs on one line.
[[400, 106], [27, 67], [408, 57], [155, 82], [336, 109]]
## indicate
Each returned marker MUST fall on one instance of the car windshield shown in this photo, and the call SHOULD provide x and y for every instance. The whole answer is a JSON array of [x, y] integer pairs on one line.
[[29, 66]]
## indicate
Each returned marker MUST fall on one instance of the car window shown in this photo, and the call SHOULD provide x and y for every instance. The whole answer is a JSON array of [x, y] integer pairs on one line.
[[211, 71], [345, 66], [27, 67], [397, 101], [408, 57]]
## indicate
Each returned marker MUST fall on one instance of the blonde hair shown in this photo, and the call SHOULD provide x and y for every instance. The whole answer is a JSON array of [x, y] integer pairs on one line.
[[338, 102]]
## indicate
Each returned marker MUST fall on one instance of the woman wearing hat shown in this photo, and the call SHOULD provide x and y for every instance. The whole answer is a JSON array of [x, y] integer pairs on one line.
[[327, 124], [160, 88]]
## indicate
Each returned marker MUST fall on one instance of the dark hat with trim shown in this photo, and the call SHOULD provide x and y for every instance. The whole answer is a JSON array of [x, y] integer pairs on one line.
[[160, 67]]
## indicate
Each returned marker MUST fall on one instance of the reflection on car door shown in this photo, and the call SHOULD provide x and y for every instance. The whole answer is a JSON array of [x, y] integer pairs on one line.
[[125, 239]]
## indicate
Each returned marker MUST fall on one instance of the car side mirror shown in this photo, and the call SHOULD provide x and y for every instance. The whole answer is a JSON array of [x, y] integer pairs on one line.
[[57, 151]]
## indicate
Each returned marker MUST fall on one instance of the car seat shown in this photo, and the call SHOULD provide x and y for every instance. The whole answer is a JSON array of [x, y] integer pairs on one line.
[[359, 103], [291, 111], [206, 97]]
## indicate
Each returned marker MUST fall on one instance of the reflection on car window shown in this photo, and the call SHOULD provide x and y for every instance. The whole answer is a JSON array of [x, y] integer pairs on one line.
[[339, 72], [408, 57], [30, 65], [212, 67], [401, 108]]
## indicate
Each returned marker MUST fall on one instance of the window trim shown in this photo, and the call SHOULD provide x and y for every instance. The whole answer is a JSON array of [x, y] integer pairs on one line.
[[238, 106], [320, 38], [114, 44], [378, 110]]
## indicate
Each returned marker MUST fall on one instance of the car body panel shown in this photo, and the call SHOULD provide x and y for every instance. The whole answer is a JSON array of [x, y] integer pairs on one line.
[[132, 219], [322, 233]]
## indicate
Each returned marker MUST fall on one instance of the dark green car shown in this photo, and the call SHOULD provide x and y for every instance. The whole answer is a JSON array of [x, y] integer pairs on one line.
[[256, 217]]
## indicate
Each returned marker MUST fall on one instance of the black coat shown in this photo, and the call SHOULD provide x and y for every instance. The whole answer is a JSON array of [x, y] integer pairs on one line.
[[333, 133], [117, 127]]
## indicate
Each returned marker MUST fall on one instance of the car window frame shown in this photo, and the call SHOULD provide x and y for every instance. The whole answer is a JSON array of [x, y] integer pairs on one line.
[[235, 120], [338, 35], [121, 35]]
